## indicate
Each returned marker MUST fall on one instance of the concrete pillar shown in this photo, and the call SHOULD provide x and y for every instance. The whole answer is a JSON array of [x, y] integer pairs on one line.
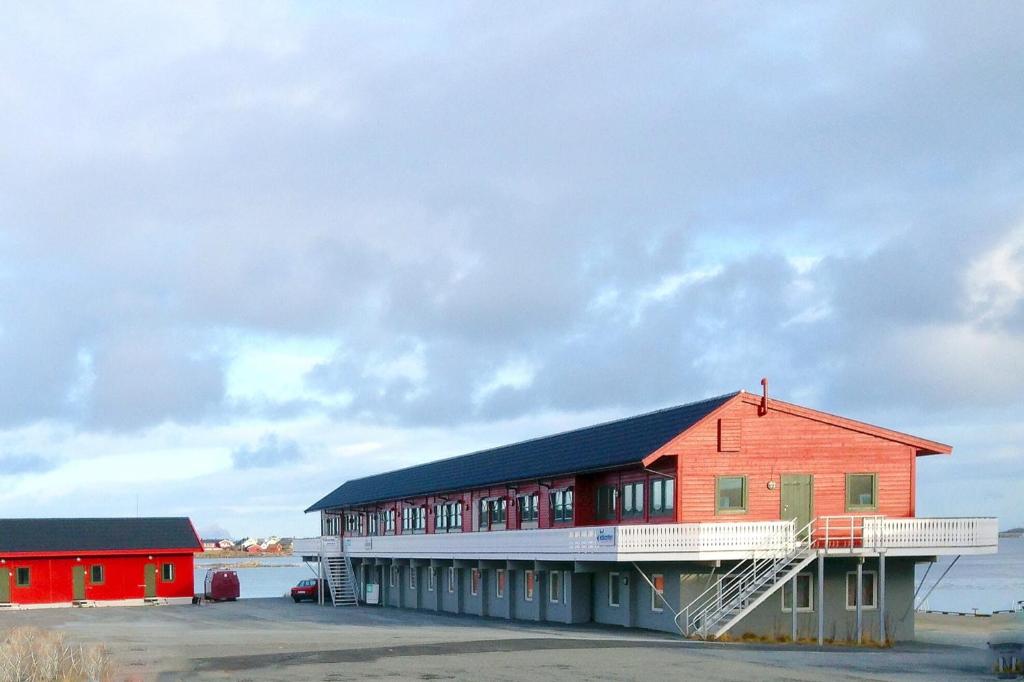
[[821, 599], [860, 594], [792, 607], [881, 596], [484, 591]]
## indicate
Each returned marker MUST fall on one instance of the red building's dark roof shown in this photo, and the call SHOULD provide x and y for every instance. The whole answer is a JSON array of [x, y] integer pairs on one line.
[[49, 536], [604, 446]]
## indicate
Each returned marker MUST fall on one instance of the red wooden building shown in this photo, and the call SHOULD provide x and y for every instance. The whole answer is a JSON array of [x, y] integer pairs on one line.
[[687, 518], [96, 561]]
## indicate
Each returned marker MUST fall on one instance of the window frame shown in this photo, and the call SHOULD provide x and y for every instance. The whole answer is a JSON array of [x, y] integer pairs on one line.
[[451, 579], [393, 576], [499, 583], [744, 494], [529, 584], [555, 586], [874, 590], [667, 499], [613, 580], [636, 510], [612, 494], [27, 582], [474, 581], [657, 605], [431, 578], [874, 493], [412, 578], [528, 511], [786, 589], [562, 504], [92, 574], [164, 572]]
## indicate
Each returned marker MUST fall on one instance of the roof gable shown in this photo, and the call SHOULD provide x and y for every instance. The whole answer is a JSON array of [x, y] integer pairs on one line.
[[612, 444], [48, 536]]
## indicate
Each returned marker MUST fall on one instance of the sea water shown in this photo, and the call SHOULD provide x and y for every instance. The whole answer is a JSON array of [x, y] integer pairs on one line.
[[266, 576], [986, 582]]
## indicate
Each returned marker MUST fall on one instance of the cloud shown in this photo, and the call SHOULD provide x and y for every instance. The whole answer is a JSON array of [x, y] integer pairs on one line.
[[270, 451], [281, 214], [24, 463]]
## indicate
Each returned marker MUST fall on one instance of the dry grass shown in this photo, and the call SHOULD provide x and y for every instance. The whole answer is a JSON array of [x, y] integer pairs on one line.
[[35, 655]]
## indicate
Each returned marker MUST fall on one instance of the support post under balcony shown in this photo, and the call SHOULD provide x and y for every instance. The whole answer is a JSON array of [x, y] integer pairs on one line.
[[821, 598], [860, 600], [881, 596], [792, 605]]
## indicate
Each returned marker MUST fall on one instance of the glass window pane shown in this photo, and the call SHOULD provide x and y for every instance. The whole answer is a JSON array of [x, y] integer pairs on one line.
[[731, 492], [860, 490]]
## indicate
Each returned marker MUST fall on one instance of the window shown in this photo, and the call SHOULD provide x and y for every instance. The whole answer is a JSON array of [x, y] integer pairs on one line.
[[22, 576], [730, 494], [633, 499], [393, 577], [451, 579], [391, 521], [414, 519], [561, 505], [613, 589], [330, 525], [607, 501], [529, 508], [554, 587], [493, 514], [528, 581], [167, 573], [500, 583], [372, 524], [663, 496], [657, 604], [351, 524], [412, 577], [474, 581], [804, 593], [96, 574], [868, 595], [861, 491], [448, 517], [431, 578]]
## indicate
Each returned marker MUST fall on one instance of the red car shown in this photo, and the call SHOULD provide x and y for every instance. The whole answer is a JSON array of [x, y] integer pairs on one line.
[[307, 589]]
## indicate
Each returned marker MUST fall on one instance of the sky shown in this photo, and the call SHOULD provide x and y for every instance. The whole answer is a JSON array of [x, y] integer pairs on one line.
[[251, 250]]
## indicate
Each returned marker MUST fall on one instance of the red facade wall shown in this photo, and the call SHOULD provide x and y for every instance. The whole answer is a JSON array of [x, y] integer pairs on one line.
[[780, 443], [51, 577]]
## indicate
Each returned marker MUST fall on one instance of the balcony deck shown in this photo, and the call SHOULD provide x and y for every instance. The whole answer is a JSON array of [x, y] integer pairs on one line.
[[846, 535]]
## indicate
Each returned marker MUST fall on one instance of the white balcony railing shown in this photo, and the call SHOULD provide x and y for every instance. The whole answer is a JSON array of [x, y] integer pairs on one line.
[[677, 541]]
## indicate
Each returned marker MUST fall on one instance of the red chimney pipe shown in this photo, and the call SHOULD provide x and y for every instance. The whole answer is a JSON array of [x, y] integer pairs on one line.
[[763, 410]]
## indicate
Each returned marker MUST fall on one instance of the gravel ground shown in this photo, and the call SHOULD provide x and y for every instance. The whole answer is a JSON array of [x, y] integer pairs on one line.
[[274, 639]]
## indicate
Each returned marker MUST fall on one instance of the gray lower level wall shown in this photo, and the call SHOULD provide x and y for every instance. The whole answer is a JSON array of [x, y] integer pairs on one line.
[[619, 594]]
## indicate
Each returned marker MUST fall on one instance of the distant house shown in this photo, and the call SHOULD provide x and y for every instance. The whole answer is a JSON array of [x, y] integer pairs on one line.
[[212, 545], [246, 543], [254, 549], [93, 561], [226, 544]]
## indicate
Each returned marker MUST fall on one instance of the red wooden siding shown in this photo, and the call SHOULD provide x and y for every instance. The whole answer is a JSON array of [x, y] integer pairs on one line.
[[779, 443], [51, 577], [729, 430]]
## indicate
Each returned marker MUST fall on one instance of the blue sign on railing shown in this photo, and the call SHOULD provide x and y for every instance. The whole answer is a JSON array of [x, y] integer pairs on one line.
[[606, 536]]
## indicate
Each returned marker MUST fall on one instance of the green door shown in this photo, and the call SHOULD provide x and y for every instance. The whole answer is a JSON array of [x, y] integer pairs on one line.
[[78, 583], [5, 585], [797, 498], [150, 571]]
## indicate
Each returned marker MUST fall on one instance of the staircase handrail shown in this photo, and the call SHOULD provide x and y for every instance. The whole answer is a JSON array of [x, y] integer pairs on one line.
[[744, 579]]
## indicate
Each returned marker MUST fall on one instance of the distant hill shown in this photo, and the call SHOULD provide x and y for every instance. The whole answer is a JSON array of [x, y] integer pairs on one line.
[[1012, 533]]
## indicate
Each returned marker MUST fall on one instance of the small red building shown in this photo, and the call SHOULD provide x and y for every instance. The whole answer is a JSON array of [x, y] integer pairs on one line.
[[92, 561]]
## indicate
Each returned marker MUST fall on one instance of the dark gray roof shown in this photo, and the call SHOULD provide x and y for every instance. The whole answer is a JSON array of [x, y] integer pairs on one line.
[[604, 446], [89, 535]]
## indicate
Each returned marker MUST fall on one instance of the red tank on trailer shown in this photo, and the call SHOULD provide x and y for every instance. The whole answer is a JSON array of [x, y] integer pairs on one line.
[[221, 585]]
